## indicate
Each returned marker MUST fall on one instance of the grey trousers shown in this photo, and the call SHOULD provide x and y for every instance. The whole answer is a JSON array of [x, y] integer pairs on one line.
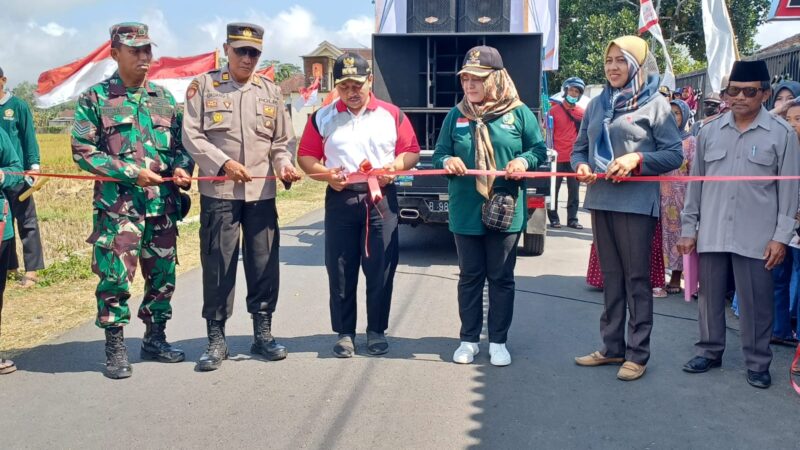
[[223, 225], [623, 243], [754, 289]]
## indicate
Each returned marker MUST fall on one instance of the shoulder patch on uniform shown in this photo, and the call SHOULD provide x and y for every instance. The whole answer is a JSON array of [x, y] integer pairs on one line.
[[8, 114], [192, 90]]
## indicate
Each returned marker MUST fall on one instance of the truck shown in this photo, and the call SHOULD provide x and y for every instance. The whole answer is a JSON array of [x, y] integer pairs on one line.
[[417, 72]]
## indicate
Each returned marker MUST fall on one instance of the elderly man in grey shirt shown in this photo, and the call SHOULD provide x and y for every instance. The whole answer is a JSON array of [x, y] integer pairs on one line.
[[741, 227]]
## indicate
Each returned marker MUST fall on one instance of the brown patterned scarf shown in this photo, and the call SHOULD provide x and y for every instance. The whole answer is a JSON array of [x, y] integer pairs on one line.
[[501, 98]]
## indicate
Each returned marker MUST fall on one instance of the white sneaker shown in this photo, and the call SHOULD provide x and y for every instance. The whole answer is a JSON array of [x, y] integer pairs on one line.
[[499, 355], [465, 353]]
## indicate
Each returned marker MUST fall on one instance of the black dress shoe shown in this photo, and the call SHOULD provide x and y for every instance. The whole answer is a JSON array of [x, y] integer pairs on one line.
[[761, 380], [698, 364]]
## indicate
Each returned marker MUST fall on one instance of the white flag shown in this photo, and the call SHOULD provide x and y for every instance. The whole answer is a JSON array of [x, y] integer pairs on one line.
[[648, 21], [720, 44]]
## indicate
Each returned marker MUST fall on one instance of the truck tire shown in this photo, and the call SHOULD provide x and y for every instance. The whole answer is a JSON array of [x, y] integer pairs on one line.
[[533, 244]]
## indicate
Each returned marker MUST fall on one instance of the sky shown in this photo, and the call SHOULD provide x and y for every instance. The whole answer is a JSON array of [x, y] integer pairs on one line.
[[43, 34]]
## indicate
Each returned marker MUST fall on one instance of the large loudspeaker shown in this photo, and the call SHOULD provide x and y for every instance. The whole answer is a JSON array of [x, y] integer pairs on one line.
[[416, 71], [431, 16], [477, 16]]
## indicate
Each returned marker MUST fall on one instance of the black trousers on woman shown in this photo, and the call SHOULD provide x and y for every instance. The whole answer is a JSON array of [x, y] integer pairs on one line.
[[5, 260], [490, 257], [623, 245]]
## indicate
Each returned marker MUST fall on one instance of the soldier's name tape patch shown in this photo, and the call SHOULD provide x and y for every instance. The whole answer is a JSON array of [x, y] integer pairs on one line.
[[116, 110], [162, 111]]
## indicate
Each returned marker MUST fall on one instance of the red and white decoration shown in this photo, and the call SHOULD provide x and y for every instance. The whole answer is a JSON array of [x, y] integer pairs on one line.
[[66, 83], [784, 10]]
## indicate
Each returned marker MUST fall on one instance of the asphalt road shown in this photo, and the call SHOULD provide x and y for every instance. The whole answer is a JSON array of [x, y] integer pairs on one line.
[[413, 397]]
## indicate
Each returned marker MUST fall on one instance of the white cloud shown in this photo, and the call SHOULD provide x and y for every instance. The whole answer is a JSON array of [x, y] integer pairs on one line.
[[56, 30], [773, 32], [356, 32]]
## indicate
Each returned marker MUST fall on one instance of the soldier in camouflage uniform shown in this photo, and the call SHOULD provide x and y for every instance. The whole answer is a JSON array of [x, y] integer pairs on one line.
[[129, 129]]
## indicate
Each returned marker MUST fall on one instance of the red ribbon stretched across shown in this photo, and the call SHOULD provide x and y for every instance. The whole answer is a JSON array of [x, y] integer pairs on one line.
[[795, 365], [370, 176]]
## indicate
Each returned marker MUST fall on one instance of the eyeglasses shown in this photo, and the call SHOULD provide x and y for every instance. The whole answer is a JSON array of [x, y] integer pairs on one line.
[[748, 92], [241, 52]]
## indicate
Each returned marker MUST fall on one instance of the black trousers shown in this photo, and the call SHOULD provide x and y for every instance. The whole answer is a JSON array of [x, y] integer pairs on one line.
[[5, 257], [24, 214], [352, 223], [754, 287], [223, 223], [572, 195], [623, 245], [491, 257]]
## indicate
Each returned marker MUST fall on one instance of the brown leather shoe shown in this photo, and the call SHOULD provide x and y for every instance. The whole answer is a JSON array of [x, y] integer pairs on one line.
[[630, 371], [596, 359]]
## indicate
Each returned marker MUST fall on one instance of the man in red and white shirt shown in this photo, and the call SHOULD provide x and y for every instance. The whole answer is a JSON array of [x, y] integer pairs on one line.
[[337, 139], [567, 117]]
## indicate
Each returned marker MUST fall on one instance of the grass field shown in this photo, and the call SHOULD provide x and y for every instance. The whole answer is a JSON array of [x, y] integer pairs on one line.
[[64, 296]]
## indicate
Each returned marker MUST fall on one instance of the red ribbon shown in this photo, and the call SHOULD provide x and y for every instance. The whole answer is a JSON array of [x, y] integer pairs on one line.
[[795, 365]]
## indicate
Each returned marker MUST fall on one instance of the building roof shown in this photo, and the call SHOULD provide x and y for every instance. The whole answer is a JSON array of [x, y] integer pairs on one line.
[[325, 48], [292, 84], [789, 42]]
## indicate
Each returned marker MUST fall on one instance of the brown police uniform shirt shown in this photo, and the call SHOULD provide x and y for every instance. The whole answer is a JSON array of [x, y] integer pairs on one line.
[[243, 122]]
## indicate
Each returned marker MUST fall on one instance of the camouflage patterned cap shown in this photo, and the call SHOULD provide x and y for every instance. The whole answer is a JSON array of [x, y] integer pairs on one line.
[[245, 35], [132, 34]]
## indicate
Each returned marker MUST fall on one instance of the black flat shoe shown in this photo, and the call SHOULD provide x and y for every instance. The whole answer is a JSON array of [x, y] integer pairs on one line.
[[556, 225], [575, 224], [761, 380], [376, 343], [344, 348], [698, 364]]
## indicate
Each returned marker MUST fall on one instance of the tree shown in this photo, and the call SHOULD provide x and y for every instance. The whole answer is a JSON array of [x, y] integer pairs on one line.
[[283, 71], [588, 25], [25, 91]]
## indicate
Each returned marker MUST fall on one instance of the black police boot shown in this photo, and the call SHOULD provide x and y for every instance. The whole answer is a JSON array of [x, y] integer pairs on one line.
[[217, 350], [263, 343], [155, 346], [117, 365]]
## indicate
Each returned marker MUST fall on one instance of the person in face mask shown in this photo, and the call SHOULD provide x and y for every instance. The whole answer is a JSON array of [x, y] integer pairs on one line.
[[567, 117]]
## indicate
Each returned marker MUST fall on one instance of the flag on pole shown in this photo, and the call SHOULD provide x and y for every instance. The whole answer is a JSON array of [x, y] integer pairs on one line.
[[541, 16], [721, 49], [268, 72], [308, 96], [648, 21], [66, 83]]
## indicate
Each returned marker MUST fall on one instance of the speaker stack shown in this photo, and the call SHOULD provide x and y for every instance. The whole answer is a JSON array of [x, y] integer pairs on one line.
[[462, 16]]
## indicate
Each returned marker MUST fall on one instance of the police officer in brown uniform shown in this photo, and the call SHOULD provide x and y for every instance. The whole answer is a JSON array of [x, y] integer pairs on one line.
[[235, 125]]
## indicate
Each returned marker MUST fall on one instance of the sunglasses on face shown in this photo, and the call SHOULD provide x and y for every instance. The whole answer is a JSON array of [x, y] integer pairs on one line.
[[748, 92], [241, 52]]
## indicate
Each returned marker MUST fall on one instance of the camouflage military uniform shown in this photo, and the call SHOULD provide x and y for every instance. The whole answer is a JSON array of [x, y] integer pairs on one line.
[[117, 132]]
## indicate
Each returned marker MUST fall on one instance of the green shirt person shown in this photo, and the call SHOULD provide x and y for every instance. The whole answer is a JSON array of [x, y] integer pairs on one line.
[[129, 129], [9, 163], [16, 119]]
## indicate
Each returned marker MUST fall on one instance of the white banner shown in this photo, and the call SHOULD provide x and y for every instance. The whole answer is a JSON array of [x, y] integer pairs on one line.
[[648, 21], [720, 44]]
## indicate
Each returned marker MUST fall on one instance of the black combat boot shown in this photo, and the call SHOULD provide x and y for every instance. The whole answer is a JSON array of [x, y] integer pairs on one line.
[[117, 365], [217, 350], [155, 346], [263, 343]]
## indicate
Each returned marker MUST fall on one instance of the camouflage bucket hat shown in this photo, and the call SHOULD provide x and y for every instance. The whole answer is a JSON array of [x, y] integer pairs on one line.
[[132, 34]]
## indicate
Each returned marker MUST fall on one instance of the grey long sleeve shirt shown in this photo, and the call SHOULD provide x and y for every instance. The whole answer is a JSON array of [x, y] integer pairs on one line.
[[743, 216], [651, 130]]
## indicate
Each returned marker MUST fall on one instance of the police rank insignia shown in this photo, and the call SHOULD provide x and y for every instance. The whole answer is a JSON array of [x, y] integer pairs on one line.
[[216, 84], [227, 104], [226, 76], [8, 114], [217, 117], [269, 111]]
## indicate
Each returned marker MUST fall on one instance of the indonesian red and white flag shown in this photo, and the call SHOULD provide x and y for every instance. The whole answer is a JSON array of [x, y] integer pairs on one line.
[[308, 96], [648, 21], [268, 72], [66, 83]]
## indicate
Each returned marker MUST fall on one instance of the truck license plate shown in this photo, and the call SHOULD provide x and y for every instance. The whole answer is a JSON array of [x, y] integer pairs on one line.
[[437, 205]]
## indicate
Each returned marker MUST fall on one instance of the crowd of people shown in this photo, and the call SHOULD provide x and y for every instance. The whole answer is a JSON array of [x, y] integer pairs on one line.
[[235, 130]]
